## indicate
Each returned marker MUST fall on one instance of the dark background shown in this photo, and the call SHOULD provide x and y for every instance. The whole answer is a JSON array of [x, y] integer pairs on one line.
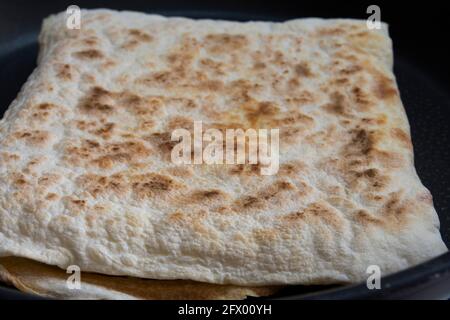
[[420, 33], [420, 28]]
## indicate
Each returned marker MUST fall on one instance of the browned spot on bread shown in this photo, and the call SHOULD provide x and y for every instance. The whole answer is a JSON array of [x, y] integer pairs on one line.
[[163, 78], [388, 159], [302, 98], [250, 202], [106, 155], [105, 131], [207, 196], [275, 193], [303, 70], [152, 184], [394, 213], [292, 168], [210, 85], [85, 125], [163, 141], [293, 83], [401, 136], [313, 211], [180, 122], [48, 179], [259, 65], [91, 54], [9, 157], [42, 112], [384, 87], [338, 105], [51, 196], [213, 66], [361, 98], [375, 179], [140, 35], [121, 152], [225, 43], [64, 72], [177, 216], [180, 171], [19, 179], [365, 218], [45, 106], [90, 41], [97, 102], [362, 142], [290, 119], [180, 61], [34, 138], [394, 207], [245, 169], [327, 31], [264, 235], [276, 189], [141, 106], [79, 202], [350, 70], [258, 114], [98, 184]]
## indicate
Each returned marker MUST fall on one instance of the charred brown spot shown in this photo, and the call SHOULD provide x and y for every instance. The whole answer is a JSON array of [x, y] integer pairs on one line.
[[51, 196], [250, 202], [151, 184], [225, 43], [42, 112], [246, 169], [163, 141], [259, 66], [402, 137], [64, 72], [263, 111], [140, 35], [336, 31], [107, 155], [91, 54], [78, 202], [303, 70], [350, 70], [396, 209], [362, 143], [315, 210], [97, 184], [91, 41], [210, 85], [207, 195], [34, 138], [105, 131], [337, 105], [45, 106], [360, 97], [98, 102], [375, 179], [384, 88], [365, 218]]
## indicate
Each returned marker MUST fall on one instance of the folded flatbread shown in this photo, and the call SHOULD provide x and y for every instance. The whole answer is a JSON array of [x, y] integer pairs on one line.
[[51, 282], [86, 176]]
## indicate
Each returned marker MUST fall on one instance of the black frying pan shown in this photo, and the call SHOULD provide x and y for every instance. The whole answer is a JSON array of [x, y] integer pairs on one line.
[[422, 70]]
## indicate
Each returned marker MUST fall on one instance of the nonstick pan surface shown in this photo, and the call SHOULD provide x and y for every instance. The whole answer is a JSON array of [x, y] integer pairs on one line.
[[422, 70]]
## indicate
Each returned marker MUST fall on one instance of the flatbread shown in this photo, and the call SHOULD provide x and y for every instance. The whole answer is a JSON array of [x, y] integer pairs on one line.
[[51, 282], [86, 177]]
